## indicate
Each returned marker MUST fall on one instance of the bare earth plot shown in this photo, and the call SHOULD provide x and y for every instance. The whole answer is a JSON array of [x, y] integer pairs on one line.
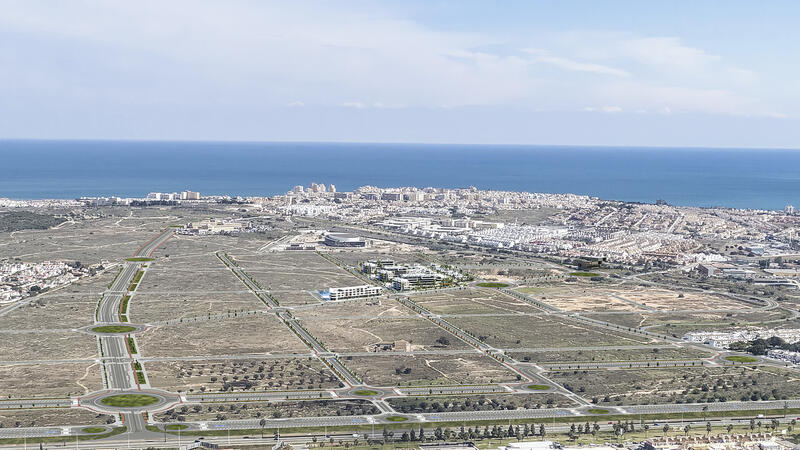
[[196, 274], [582, 298], [241, 375], [38, 345], [255, 410], [50, 417], [407, 369], [49, 380], [298, 271], [360, 335], [680, 323], [542, 331], [89, 242], [147, 307], [680, 385], [472, 301], [367, 309], [633, 354], [260, 334]]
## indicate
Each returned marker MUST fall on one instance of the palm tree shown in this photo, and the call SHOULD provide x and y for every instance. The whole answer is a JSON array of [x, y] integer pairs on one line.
[[686, 429], [262, 423], [730, 428], [708, 428], [666, 429]]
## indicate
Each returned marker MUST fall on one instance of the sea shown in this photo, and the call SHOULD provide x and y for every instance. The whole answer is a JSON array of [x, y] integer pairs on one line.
[[735, 178]]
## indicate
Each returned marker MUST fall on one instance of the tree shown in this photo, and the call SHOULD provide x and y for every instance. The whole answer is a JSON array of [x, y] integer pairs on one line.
[[729, 428], [646, 428], [708, 428], [542, 431], [686, 429], [262, 423], [666, 429]]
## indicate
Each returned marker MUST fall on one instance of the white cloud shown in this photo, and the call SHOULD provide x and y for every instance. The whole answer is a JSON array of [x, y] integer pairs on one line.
[[604, 109], [542, 56], [247, 54]]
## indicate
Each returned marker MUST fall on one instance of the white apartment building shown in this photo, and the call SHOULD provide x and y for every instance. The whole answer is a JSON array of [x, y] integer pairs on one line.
[[189, 195], [363, 291]]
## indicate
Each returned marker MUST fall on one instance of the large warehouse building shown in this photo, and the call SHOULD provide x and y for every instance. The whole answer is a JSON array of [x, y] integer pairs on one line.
[[344, 240]]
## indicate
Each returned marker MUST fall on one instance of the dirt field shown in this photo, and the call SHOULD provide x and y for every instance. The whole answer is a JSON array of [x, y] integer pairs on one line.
[[242, 335], [238, 375], [654, 354], [51, 417], [581, 297], [542, 331], [473, 301], [295, 271], [426, 370], [40, 345], [360, 335], [49, 380], [148, 307], [358, 308]]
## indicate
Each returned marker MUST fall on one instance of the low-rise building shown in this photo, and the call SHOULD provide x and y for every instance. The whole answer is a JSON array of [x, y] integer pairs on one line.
[[363, 291]]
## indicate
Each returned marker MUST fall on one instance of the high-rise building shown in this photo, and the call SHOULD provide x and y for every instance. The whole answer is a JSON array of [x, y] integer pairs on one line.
[[789, 209], [332, 188], [189, 195]]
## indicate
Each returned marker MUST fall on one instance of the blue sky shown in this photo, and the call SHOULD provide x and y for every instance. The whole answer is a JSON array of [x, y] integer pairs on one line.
[[699, 73]]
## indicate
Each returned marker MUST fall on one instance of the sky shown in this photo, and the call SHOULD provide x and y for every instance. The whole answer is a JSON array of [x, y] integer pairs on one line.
[[689, 73]]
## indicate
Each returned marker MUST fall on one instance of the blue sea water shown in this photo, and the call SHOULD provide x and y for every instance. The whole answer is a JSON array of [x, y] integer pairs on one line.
[[739, 178]]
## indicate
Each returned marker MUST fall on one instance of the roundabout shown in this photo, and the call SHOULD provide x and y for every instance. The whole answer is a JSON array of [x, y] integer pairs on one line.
[[133, 400], [366, 392]]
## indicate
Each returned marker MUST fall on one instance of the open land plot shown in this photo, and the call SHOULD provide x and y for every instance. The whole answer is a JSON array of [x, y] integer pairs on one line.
[[51, 417], [268, 410], [241, 375], [369, 308], [678, 324], [39, 345], [49, 380], [152, 307], [473, 301], [296, 297], [51, 313], [298, 271], [484, 402], [583, 298], [88, 241], [543, 331], [680, 385], [360, 335], [633, 354], [260, 334], [407, 369], [160, 279]]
